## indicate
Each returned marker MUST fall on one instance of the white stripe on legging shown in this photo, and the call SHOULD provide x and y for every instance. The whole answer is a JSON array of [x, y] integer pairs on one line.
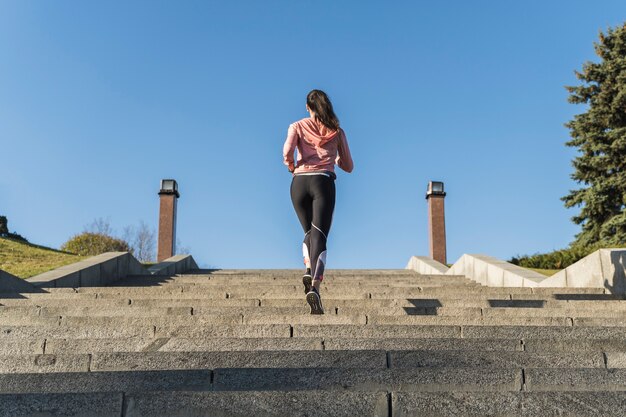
[[320, 231]]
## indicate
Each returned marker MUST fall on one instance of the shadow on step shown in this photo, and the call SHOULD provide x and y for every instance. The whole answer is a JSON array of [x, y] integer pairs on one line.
[[142, 281], [518, 303], [588, 297], [204, 271], [154, 280], [423, 307], [128, 381]]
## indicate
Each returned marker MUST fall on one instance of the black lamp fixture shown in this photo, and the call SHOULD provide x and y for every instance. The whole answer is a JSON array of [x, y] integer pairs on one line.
[[169, 187], [435, 188]]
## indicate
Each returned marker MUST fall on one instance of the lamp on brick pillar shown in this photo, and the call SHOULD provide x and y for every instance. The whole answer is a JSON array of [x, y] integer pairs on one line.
[[436, 221], [167, 219]]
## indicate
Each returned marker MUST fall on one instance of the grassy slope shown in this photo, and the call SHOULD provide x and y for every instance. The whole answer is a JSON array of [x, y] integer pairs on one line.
[[546, 272], [26, 260]]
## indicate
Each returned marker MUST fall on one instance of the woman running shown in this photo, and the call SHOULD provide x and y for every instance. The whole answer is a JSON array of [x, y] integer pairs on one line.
[[321, 144]]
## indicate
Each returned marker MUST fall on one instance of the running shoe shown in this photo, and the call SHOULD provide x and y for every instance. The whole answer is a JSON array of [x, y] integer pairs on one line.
[[307, 280], [315, 302]]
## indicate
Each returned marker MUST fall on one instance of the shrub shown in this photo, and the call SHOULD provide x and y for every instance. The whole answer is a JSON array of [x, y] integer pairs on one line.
[[16, 236], [4, 226], [4, 231], [557, 259], [91, 244]]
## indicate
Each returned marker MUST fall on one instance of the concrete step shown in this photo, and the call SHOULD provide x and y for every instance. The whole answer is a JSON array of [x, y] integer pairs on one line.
[[112, 311], [242, 359], [450, 331], [29, 306], [304, 317], [616, 344], [178, 344], [44, 363], [174, 320], [18, 346], [267, 379], [115, 331], [484, 311], [120, 381], [175, 360], [62, 302], [591, 294], [513, 404], [470, 320], [187, 309], [493, 359], [64, 332], [193, 403], [298, 404], [244, 330], [106, 404], [575, 379], [541, 332], [381, 291], [423, 344], [600, 321], [166, 344], [326, 285], [266, 404], [377, 331], [21, 346], [30, 321], [373, 379]]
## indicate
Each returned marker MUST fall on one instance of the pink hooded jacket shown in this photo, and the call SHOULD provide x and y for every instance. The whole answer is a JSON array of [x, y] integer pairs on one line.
[[319, 148]]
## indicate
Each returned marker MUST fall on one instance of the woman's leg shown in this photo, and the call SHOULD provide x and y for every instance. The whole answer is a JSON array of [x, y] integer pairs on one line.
[[303, 204], [323, 192]]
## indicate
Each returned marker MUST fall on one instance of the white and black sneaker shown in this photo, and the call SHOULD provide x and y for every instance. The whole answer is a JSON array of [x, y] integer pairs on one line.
[[315, 302], [307, 280]]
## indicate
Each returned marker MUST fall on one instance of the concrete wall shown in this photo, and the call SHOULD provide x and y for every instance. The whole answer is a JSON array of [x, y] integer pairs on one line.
[[493, 272], [605, 268], [426, 266], [12, 284], [177, 264], [97, 271]]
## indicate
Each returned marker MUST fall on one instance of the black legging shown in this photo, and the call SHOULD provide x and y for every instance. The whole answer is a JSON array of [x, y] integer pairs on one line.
[[313, 197]]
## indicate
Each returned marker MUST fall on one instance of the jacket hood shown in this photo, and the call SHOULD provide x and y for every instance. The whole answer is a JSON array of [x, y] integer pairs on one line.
[[315, 132]]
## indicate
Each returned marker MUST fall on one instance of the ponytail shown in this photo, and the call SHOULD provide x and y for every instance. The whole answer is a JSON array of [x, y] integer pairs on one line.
[[320, 104]]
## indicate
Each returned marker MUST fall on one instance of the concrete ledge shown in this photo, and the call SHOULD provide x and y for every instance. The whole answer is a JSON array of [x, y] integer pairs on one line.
[[604, 268], [493, 272], [426, 266], [12, 284], [97, 271], [177, 264]]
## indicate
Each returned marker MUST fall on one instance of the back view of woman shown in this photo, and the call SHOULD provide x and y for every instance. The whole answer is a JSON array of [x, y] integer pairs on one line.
[[321, 144]]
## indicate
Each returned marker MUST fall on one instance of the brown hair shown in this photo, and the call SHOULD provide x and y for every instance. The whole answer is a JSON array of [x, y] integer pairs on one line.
[[318, 101]]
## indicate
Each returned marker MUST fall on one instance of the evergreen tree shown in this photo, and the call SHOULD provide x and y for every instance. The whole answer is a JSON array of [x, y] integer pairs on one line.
[[600, 136]]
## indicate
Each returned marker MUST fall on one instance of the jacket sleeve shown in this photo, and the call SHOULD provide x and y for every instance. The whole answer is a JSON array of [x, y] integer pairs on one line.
[[344, 159], [289, 147]]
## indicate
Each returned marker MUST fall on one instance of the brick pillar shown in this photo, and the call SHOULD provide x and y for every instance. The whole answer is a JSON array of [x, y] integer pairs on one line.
[[436, 221], [167, 219]]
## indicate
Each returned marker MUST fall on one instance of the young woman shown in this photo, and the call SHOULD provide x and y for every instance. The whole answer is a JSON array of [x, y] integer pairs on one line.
[[321, 144]]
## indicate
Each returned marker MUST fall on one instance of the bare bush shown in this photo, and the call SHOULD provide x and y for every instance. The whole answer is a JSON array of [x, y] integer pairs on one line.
[[142, 240]]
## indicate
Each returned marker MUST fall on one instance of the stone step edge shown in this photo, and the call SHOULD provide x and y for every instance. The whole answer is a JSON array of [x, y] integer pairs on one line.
[[297, 403]]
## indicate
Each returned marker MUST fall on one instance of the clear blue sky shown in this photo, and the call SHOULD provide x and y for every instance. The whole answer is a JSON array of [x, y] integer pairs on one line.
[[99, 100]]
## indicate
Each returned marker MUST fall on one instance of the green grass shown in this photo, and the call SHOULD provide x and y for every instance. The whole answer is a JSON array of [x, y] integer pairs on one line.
[[25, 260], [546, 272]]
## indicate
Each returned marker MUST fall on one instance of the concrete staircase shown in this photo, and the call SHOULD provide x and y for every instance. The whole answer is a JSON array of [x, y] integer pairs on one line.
[[242, 343]]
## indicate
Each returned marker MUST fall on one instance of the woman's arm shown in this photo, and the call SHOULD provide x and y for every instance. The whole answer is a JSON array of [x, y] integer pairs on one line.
[[344, 159], [289, 147]]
